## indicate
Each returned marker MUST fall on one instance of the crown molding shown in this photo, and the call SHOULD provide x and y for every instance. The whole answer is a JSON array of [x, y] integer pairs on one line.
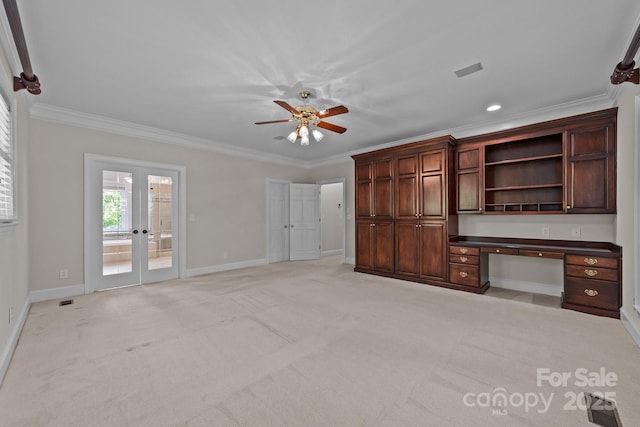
[[75, 118], [567, 109], [69, 117]]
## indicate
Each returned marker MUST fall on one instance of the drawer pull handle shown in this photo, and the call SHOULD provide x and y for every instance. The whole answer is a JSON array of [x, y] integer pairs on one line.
[[497, 251], [464, 250], [463, 274], [591, 261], [539, 253], [464, 259], [591, 292], [591, 273]]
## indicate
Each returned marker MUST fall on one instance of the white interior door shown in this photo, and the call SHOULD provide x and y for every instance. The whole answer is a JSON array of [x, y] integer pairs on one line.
[[278, 221], [131, 220], [304, 217]]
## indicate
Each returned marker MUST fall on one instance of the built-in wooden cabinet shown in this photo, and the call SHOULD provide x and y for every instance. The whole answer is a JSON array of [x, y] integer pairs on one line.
[[408, 198], [561, 166], [422, 183]]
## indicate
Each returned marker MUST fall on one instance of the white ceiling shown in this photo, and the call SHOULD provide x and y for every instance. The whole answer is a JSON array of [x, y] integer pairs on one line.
[[209, 69]]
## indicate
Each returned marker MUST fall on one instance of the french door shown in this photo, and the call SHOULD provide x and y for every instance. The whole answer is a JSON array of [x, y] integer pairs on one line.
[[131, 221]]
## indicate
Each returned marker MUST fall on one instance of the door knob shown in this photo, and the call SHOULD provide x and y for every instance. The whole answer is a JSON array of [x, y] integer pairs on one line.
[[291, 225], [286, 226], [144, 231], [135, 231]]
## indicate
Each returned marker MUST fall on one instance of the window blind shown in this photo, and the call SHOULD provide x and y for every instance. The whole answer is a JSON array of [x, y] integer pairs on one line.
[[7, 211]]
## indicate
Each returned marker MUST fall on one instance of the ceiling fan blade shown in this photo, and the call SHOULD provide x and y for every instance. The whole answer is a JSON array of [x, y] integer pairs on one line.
[[287, 107], [331, 127], [273, 121], [333, 111]]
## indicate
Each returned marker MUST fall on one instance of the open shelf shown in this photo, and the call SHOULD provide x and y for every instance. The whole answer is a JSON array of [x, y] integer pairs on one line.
[[523, 187], [525, 159]]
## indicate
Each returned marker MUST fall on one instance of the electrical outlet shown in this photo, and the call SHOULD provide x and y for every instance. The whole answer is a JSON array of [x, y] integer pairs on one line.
[[64, 273], [544, 231], [575, 232]]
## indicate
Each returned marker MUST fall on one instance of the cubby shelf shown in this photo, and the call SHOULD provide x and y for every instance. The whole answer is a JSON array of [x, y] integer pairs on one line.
[[525, 159]]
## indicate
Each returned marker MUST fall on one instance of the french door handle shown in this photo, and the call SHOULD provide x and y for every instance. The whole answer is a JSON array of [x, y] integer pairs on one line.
[[286, 226], [144, 231], [135, 231]]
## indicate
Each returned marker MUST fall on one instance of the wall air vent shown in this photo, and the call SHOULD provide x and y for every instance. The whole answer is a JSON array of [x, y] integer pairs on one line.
[[469, 70]]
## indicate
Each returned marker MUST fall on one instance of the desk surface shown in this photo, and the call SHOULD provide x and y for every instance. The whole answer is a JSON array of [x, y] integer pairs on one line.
[[563, 246]]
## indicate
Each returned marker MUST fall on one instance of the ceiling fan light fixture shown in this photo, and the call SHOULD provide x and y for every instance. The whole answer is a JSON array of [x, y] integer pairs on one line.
[[293, 136], [305, 140], [317, 135], [304, 131]]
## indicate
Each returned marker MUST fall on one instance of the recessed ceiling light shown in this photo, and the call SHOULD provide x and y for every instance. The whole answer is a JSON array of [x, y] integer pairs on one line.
[[494, 107]]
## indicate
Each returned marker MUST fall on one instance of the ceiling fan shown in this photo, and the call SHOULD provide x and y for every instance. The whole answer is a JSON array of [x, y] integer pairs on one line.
[[307, 116]]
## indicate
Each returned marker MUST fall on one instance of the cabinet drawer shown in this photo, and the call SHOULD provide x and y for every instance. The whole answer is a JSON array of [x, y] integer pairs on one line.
[[464, 274], [541, 254], [463, 250], [592, 261], [592, 293], [592, 273], [464, 259], [501, 251]]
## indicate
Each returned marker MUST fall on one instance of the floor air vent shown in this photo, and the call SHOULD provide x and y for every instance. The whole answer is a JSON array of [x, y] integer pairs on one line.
[[602, 412], [66, 302]]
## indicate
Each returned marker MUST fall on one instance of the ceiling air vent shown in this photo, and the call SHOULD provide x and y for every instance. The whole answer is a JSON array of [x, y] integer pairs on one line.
[[469, 70]]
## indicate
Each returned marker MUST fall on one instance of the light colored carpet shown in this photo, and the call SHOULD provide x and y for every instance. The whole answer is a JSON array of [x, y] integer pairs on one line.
[[308, 344]]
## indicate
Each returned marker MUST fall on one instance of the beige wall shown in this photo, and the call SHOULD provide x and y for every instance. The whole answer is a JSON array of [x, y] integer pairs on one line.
[[226, 194], [14, 250], [628, 199]]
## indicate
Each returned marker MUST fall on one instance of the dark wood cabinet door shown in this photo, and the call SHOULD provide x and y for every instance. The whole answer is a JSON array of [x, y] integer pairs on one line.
[[408, 248], [364, 189], [383, 198], [432, 185], [433, 250], [591, 170], [407, 187], [364, 245], [383, 247], [468, 180]]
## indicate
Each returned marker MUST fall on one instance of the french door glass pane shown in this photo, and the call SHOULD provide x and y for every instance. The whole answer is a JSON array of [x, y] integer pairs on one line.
[[160, 222], [116, 222]]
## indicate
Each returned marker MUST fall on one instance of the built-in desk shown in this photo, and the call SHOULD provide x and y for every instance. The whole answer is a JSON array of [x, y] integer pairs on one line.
[[592, 270]]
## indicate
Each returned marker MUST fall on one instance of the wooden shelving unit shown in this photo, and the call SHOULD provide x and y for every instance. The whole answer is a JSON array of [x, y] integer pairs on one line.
[[524, 176]]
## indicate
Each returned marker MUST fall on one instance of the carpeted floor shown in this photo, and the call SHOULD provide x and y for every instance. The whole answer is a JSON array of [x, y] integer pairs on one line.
[[313, 344]]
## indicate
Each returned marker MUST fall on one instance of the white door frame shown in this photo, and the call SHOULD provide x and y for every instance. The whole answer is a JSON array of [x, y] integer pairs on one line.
[[343, 181], [90, 265], [267, 227]]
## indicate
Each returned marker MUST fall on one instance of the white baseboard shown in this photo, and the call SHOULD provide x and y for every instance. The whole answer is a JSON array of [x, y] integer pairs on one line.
[[7, 353], [332, 253], [57, 293], [633, 327], [350, 260], [522, 286], [225, 267]]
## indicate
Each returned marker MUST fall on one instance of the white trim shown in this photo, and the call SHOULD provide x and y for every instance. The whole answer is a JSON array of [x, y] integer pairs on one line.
[[524, 286], [10, 347], [225, 267], [350, 260], [57, 293], [630, 326], [333, 252], [91, 121], [89, 158], [567, 109], [65, 116]]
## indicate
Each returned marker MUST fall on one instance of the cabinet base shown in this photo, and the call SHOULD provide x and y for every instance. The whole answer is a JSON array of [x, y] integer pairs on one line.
[[591, 310], [476, 290]]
